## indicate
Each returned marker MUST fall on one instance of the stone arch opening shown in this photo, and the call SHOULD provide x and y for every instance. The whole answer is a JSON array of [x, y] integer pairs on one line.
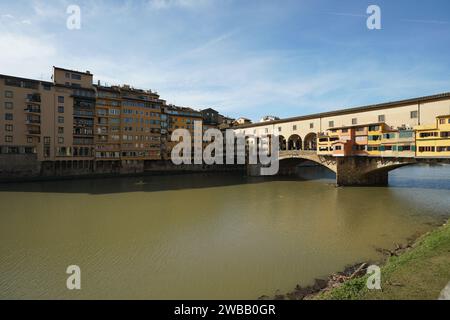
[[283, 143], [295, 142], [311, 142], [307, 169]]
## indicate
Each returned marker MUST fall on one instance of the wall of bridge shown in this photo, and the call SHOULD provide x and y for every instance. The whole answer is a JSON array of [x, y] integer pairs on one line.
[[396, 116]]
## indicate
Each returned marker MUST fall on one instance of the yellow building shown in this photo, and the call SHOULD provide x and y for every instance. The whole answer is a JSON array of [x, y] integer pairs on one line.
[[434, 140], [182, 118]]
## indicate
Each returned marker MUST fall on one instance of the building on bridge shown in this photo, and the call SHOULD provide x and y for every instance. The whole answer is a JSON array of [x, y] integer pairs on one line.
[[434, 140]]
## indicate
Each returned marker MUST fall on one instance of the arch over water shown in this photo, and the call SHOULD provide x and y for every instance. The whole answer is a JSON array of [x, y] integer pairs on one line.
[[295, 142], [311, 142]]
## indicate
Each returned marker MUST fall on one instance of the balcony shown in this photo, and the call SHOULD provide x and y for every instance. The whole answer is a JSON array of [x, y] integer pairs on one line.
[[33, 121], [34, 132], [32, 109], [34, 98]]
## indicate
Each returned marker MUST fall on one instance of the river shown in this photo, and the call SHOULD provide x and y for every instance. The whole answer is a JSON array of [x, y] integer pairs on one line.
[[204, 236]]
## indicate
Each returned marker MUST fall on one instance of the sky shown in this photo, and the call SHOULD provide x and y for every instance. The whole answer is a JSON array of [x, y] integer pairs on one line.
[[246, 58]]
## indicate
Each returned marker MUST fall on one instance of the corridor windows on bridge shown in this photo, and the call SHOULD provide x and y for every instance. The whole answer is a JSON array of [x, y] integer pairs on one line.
[[283, 143], [311, 125], [331, 124], [381, 118], [295, 142], [311, 142], [414, 114], [354, 121], [294, 128]]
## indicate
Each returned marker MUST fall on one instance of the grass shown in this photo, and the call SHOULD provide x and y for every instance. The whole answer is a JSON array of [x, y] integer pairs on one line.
[[418, 274]]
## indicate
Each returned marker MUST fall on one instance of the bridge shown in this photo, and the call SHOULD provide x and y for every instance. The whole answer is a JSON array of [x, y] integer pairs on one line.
[[361, 145], [350, 171]]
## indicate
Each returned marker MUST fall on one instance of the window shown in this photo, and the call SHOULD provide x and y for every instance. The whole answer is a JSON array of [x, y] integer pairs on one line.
[[47, 140], [338, 148], [9, 116], [8, 139], [60, 99], [29, 139], [294, 127], [311, 125], [354, 121], [279, 129], [76, 76], [8, 127], [8, 105], [68, 75], [60, 109], [441, 121], [331, 124], [414, 114], [60, 119], [9, 94], [428, 134], [60, 130], [60, 140], [381, 118]]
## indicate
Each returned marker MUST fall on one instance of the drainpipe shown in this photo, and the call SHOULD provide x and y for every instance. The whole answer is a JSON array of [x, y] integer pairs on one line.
[[418, 109]]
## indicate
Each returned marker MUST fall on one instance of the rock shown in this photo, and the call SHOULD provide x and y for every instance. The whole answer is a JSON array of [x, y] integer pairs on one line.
[[320, 284], [445, 294]]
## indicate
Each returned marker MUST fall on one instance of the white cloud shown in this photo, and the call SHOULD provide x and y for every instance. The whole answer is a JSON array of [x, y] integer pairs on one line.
[[26, 56], [165, 4]]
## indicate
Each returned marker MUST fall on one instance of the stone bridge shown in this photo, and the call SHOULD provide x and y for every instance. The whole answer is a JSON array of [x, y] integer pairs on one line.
[[350, 171]]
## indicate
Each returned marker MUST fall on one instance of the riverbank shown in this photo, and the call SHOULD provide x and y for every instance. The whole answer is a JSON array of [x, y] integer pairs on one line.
[[421, 272], [417, 271]]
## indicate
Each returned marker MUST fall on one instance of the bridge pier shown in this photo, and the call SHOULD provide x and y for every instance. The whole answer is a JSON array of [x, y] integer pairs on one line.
[[360, 171]]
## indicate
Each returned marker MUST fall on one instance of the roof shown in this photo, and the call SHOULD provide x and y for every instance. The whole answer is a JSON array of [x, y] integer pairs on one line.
[[74, 71], [394, 104], [4, 76]]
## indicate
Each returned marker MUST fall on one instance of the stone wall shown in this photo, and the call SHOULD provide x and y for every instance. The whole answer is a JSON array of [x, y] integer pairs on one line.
[[19, 166]]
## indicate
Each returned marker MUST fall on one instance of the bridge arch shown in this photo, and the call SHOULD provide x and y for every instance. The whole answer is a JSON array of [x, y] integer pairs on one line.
[[290, 159], [295, 142], [311, 142]]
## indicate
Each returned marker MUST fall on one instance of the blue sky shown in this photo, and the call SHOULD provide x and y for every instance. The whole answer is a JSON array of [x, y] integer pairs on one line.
[[243, 57]]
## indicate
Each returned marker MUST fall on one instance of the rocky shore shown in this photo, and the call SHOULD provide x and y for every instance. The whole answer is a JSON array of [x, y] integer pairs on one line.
[[335, 280]]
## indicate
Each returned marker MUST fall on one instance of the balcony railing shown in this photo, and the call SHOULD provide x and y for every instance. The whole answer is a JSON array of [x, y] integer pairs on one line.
[[34, 98], [34, 132], [33, 121], [31, 109]]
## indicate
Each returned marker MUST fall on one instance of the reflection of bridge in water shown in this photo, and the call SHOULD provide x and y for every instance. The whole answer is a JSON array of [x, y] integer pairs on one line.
[[350, 171]]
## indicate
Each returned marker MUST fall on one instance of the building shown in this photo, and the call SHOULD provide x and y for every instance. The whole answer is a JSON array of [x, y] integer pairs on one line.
[[434, 140], [269, 118], [70, 123], [242, 121], [210, 117], [182, 118]]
